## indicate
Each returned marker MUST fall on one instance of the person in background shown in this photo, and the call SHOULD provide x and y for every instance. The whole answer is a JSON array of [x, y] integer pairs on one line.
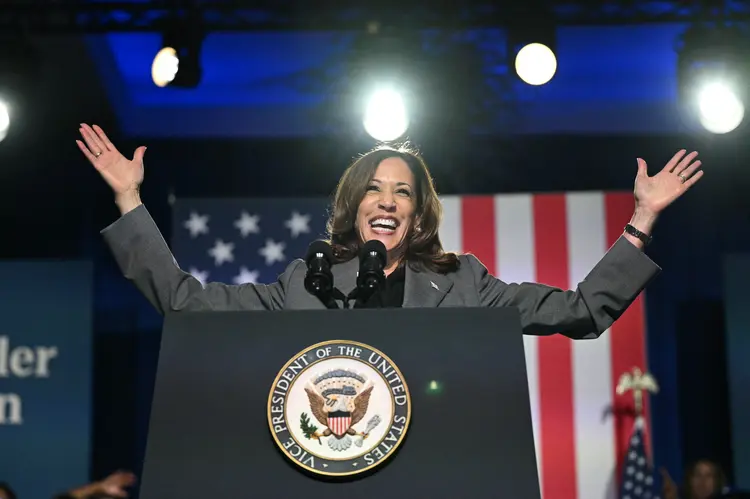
[[704, 479], [112, 486], [6, 492]]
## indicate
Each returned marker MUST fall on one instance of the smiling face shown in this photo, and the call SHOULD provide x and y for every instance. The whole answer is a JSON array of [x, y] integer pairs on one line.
[[387, 210]]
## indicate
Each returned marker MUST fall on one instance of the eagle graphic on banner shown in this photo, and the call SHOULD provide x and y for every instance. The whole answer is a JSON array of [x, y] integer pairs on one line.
[[339, 400]]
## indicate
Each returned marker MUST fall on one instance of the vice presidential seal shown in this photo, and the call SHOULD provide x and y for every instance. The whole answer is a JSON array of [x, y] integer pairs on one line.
[[339, 408]]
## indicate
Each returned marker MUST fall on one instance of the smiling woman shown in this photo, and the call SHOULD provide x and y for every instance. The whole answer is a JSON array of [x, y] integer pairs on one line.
[[388, 195]]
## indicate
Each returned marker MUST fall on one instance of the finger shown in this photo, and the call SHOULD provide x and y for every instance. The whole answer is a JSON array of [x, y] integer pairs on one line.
[[94, 144], [687, 172], [95, 139], [125, 479], [86, 152], [685, 162], [675, 159], [138, 154], [692, 180], [642, 168], [105, 140]]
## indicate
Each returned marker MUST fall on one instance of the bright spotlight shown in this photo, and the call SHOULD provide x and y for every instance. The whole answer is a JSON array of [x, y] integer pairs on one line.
[[385, 116], [4, 120], [536, 64], [165, 67], [721, 111]]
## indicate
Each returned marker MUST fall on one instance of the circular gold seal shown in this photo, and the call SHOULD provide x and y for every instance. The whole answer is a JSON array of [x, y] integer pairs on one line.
[[339, 408]]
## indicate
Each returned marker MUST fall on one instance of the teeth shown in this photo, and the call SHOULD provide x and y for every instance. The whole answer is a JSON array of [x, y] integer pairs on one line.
[[384, 221]]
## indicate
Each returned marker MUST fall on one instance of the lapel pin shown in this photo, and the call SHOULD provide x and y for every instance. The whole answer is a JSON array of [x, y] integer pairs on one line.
[[434, 285]]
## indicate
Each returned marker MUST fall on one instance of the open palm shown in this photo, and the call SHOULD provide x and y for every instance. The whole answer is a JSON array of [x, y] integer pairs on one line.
[[678, 175], [120, 173]]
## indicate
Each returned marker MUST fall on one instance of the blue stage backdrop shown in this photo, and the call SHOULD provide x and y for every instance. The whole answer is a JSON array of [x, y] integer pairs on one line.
[[736, 277], [45, 375]]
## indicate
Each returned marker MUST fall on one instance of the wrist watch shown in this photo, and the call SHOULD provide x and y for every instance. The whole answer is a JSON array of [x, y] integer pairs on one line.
[[645, 238]]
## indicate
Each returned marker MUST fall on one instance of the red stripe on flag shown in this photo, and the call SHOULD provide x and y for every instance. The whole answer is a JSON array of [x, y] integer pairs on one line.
[[557, 427], [478, 228], [627, 336]]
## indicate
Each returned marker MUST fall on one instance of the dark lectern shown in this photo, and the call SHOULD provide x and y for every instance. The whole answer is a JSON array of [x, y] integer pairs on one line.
[[220, 374]]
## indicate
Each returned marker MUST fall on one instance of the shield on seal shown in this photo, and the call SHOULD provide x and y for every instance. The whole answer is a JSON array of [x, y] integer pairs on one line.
[[339, 422]]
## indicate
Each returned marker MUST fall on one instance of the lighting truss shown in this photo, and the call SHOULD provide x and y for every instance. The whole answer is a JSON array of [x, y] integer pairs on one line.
[[96, 16]]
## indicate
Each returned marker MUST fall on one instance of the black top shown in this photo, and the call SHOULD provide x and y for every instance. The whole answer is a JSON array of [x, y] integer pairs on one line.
[[392, 296]]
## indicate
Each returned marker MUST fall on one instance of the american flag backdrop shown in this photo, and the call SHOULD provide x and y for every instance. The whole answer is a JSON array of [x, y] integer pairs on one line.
[[554, 239]]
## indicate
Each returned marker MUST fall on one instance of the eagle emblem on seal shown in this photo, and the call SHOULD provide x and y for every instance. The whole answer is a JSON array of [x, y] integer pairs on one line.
[[339, 400]]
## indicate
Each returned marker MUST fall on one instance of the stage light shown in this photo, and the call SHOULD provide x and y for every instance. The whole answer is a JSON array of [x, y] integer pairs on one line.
[[178, 62], [4, 120], [177, 65], [713, 72], [536, 64], [165, 67], [720, 110], [385, 117]]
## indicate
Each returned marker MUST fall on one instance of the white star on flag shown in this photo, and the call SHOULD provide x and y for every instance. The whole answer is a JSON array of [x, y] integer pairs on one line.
[[247, 224], [196, 224], [222, 252], [200, 275], [298, 224], [246, 276], [273, 251]]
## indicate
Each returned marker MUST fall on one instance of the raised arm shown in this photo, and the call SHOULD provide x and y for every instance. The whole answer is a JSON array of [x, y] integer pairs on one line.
[[614, 282], [583, 313], [144, 257]]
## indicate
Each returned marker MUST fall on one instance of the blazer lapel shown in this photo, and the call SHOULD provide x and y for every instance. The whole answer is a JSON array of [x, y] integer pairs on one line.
[[425, 289]]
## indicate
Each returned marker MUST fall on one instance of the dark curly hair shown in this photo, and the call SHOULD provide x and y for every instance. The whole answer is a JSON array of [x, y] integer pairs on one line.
[[423, 248]]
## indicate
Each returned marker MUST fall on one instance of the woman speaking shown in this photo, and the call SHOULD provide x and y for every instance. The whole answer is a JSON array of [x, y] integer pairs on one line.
[[388, 195]]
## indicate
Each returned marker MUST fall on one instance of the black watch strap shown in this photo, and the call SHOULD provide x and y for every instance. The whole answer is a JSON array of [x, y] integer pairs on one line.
[[640, 235]]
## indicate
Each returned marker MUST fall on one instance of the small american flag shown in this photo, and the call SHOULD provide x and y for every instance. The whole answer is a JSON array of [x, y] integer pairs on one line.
[[551, 238], [237, 241], [637, 474]]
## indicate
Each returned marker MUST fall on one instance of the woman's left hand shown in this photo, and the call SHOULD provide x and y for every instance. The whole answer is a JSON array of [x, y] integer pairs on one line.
[[653, 194]]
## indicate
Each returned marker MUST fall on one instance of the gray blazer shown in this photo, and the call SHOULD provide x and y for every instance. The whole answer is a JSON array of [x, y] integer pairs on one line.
[[145, 259]]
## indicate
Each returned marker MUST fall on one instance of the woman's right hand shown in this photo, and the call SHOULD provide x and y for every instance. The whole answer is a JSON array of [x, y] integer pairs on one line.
[[124, 176]]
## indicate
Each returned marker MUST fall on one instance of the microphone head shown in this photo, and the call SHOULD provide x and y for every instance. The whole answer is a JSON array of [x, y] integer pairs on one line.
[[319, 247], [374, 246]]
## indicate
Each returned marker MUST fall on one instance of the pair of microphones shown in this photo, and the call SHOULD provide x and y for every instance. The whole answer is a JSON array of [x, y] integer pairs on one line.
[[370, 279]]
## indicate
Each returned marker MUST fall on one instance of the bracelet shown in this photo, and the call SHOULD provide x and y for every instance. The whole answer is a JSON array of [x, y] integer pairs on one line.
[[645, 238]]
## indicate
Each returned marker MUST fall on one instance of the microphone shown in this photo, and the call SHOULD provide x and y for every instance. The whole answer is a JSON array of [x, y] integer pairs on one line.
[[319, 279], [371, 277]]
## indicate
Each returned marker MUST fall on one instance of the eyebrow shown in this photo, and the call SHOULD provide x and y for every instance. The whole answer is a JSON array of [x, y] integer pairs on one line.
[[397, 183]]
